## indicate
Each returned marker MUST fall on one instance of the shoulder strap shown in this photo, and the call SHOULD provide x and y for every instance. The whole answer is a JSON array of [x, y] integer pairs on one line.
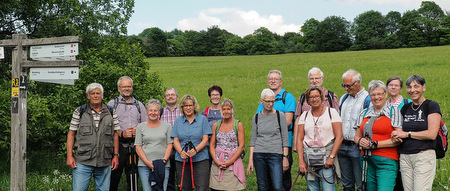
[[206, 111], [283, 97], [111, 109], [342, 101], [256, 119], [218, 125], [306, 115], [116, 102], [302, 100], [235, 127], [329, 113], [367, 102], [405, 101], [135, 103], [330, 96], [390, 112], [82, 110], [278, 118], [365, 112]]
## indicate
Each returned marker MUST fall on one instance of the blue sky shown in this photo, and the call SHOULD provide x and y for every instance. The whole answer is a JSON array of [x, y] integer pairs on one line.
[[243, 17]]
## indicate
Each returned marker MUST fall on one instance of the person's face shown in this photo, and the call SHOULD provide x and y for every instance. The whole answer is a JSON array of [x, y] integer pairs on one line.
[[274, 81], [315, 79], [350, 86], [125, 87], [415, 90], [394, 88], [153, 112], [215, 97], [170, 97], [188, 108], [268, 102], [227, 112], [95, 96], [378, 97], [314, 99]]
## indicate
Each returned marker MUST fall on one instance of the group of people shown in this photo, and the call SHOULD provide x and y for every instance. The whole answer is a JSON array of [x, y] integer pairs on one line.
[[367, 141]]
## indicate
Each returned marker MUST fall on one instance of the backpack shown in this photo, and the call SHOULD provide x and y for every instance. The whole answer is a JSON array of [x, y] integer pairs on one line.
[[206, 111], [441, 141], [236, 130], [366, 102], [84, 106], [330, 96], [135, 103], [283, 99]]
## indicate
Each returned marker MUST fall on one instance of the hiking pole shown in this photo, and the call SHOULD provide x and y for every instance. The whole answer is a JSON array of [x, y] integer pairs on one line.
[[296, 178], [192, 169], [184, 164], [367, 153]]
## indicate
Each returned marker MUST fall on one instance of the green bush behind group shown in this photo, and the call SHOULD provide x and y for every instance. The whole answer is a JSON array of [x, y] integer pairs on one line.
[[242, 79]]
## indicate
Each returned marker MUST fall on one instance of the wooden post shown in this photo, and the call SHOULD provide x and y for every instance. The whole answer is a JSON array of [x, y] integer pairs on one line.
[[19, 98]]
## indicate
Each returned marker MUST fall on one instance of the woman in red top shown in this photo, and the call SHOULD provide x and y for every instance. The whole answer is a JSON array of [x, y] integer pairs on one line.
[[373, 137]]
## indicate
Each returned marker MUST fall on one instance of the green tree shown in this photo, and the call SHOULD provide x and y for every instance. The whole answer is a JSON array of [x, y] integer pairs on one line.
[[333, 34], [105, 50], [235, 46], [411, 28], [309, 30], [154, 42], [293, 42], [392, 40], [175, 48], [445, 30], [431, 16], [370, 31], [215, 39], [263, 42]]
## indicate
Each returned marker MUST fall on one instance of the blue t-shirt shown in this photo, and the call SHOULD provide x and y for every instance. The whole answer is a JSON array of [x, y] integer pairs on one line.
[[193, 132], [289, 106]]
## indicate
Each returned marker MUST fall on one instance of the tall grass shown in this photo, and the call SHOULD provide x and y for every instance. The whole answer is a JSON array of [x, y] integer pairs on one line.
[[243, 77]]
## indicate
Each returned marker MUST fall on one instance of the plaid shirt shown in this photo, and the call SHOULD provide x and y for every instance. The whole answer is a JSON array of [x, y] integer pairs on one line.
[[170, 116]]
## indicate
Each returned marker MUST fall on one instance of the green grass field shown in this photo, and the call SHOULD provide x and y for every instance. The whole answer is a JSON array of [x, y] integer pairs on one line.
[[242, 79]]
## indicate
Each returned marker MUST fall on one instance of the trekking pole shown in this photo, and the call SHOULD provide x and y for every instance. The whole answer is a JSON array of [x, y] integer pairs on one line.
[[296, 178], [192, 169], [367, 153], [184, 164], [133, 162]]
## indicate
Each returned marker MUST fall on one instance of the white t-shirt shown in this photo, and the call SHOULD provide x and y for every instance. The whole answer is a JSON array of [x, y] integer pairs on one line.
[[319, 130]]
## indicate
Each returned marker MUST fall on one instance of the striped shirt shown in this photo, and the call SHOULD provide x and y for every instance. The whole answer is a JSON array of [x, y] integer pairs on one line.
[[75, 122], [170, 116], [396, 117]]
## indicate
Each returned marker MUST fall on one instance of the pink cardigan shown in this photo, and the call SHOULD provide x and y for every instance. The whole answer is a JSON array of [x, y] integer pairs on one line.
[[237, 167]]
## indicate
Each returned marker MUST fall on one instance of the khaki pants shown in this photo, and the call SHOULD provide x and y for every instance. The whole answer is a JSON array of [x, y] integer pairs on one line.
[[418, 170]]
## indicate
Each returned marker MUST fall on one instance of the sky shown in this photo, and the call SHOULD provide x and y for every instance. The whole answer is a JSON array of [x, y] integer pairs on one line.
[[243, 17]]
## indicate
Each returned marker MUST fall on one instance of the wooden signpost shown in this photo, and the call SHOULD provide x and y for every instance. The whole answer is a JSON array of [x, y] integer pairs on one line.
[[20, 67]]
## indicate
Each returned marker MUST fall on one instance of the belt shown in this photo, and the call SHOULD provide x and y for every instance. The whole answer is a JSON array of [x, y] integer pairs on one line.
[[347, 142], [425, 150]]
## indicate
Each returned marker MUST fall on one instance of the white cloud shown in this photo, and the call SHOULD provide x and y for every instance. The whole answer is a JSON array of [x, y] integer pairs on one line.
[[237, 21]]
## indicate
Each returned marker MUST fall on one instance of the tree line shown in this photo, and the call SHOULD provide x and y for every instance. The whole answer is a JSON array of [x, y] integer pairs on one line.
[[426, 26]]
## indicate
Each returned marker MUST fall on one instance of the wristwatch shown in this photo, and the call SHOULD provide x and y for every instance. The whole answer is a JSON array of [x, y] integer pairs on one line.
[[409, 134], [332, 157], [287, 156], [116, 155]]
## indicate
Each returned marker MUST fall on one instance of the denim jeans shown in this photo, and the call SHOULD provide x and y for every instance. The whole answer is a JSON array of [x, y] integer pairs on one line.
[[83, 173], [272, 163], [144, 172], [314, 185], [350, 165]]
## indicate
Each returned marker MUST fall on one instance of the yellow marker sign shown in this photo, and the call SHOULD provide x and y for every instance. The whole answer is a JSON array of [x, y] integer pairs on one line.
[[15, 92], [15, 82]]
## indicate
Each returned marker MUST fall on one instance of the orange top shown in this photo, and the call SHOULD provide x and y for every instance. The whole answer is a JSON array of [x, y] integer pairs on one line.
[[382, 130]]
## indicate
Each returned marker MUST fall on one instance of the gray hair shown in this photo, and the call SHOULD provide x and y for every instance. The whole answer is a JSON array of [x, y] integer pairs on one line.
[[315, 70], [417, 78], [356, 76], [152, 102], [267, 92], [124, 77], [274, 71], [173, 90], [92, 87], [374, 84]]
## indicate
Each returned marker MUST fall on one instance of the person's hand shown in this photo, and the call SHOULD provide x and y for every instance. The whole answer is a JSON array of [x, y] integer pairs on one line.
[[115, 163], [192, 152], [129, 133], [302, 166], [184, 154], [71, 162], [250, 167], [364, 143], [285, 164], [225, 165], [150, 165], [329, 163], [396, 136]]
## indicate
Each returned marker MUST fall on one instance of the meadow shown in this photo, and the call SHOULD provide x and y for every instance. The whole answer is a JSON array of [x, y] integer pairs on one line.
[[242, 79]]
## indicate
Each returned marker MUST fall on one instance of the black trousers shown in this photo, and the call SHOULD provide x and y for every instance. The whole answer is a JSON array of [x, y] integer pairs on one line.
[[124, 156]]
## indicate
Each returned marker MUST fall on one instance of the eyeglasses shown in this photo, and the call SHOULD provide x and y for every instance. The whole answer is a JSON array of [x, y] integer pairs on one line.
[[274, 79], [348, 86], [312, 79], [215, 95], [168, 95], [126, 86], [269, 101], [314, 97], [378, 94], [393, 85], [153, 111], [187, 106]]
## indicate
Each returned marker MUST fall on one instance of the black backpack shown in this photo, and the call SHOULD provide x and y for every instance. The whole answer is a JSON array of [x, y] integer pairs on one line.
[[84, 106]]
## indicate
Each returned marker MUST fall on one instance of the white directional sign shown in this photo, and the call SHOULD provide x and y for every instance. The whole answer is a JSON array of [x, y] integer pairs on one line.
[[61, 73], [55, 50], [56, 58], [68, 82], [2, 53]]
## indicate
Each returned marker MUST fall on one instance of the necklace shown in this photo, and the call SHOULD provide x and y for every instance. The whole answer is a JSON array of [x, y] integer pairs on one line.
[[412, 106], [317, 120]]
